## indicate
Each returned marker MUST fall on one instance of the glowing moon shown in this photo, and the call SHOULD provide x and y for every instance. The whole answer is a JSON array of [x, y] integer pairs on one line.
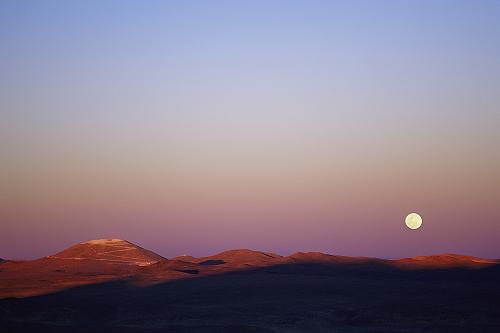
[[413, 221]]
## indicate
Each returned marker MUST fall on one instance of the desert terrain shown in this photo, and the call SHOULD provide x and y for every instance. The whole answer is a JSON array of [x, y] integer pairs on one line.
[[114, 285]]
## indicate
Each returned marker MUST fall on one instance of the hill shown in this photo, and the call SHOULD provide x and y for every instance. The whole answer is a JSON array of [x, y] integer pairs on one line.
[[443, 261], [111, 250], [240, 257]]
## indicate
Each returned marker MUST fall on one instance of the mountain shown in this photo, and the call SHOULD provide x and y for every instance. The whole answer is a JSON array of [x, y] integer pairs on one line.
[[109, 250], [249, 291], [185, 266], [318, 257], [240, 257], [443, 261], [185, 258], [90, 262], [108, 260]]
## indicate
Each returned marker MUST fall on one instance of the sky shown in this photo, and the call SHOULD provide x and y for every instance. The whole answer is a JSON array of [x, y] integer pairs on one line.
[[192, 127]]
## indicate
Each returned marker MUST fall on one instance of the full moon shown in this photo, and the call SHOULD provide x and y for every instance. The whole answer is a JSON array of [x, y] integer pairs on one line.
[[413, 221]]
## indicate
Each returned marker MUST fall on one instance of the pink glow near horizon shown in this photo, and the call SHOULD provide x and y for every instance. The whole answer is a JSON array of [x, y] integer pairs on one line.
[[277, 127]]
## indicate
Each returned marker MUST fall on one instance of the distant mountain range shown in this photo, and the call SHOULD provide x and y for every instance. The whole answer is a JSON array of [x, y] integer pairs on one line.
[[104, 260], [112, 285]]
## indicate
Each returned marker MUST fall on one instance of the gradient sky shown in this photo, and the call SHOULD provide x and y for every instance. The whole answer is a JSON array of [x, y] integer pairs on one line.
[[200, 126]]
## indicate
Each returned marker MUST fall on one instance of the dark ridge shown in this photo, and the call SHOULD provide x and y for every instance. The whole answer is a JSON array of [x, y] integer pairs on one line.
[[189, 271], [212, 262]]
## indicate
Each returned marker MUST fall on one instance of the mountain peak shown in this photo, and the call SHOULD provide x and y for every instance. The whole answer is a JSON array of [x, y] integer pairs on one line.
[[109, 250], [105, 241]]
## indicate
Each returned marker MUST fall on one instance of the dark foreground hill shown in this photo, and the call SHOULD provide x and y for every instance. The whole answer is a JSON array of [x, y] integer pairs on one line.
[[249, 291]]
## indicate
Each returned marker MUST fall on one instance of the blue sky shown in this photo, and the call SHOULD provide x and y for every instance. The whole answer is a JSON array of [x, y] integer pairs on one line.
[[109, 107]]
